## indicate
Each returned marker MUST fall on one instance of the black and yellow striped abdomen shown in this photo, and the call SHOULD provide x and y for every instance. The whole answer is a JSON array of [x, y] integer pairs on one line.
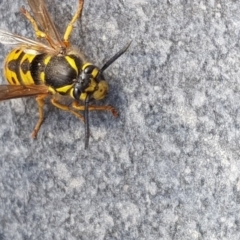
[[59, 72], [17, 68]]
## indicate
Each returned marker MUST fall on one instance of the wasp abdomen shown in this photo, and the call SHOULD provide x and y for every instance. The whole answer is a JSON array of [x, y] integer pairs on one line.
[[17, 68]]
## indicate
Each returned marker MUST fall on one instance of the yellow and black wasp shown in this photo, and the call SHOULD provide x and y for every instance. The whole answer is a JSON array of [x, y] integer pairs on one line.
[[53, 67]]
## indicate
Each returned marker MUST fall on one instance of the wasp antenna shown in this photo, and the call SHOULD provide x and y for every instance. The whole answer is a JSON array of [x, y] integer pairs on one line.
[[86, 119], [115, 57]]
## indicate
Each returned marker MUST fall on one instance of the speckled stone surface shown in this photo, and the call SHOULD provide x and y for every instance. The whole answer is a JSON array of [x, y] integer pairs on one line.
[[168, 167]]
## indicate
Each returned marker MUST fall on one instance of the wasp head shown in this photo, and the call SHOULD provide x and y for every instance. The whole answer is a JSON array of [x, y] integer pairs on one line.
[[92, 85], [91, 82]]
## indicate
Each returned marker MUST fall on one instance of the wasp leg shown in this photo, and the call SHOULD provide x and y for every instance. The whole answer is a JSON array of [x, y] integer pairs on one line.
[[40, 102], [111, 109], [74, 19], [66, 108], [38, 32]]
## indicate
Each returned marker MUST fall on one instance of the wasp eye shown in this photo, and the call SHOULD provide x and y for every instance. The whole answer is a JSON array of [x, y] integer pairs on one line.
[[77, 92]]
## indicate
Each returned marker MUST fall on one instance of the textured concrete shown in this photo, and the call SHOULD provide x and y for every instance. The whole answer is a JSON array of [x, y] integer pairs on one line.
[[168, 167]]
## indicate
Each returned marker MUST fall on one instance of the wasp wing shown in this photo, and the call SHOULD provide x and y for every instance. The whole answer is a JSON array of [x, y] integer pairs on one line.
[[14, 39], [44, 21], [19, 91]]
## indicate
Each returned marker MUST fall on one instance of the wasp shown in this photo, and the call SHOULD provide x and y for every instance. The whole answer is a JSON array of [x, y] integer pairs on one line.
[[51, 67]]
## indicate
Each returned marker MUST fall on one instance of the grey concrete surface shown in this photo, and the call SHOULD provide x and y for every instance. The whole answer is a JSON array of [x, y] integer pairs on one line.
[[168, 167]]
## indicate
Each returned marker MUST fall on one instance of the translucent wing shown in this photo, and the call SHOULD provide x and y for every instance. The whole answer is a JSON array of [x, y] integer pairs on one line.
[[13, 39], [19, 91], [44, 21]]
